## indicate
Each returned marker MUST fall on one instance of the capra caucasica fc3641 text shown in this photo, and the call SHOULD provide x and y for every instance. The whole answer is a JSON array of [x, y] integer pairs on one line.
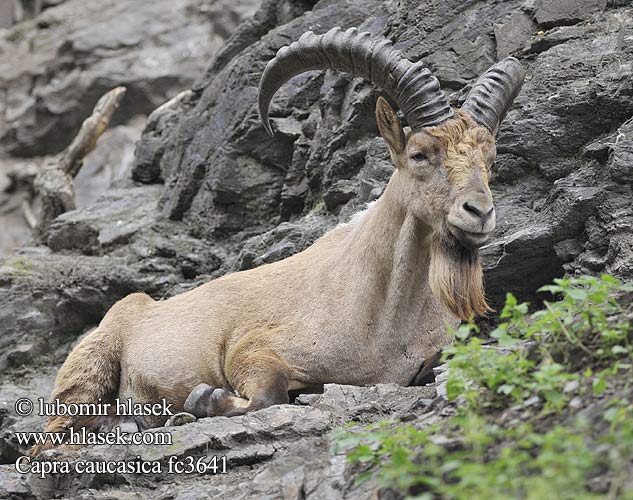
[[366, 303]]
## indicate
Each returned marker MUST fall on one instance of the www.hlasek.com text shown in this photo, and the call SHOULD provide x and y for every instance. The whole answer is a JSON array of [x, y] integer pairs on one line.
[[84, 437]]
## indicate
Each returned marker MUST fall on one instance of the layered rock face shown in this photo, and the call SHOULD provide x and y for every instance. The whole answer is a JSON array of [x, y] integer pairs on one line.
[[561, 198], [54, 67], [209, 192]]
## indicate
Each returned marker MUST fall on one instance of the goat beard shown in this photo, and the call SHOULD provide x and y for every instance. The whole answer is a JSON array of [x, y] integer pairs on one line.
[[456, 277]]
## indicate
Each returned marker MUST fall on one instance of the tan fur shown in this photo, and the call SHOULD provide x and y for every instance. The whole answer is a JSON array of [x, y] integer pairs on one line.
[[367, 303]]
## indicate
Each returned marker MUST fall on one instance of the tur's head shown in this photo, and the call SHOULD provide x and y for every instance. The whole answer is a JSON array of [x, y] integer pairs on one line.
[[442, 159], [443, 173]]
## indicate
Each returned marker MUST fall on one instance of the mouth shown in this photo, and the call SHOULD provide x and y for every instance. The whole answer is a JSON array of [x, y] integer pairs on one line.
[[469, 238]]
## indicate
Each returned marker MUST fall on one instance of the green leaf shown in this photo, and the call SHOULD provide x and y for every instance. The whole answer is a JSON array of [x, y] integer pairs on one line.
[[553, 289], [362, 453], [400, 457], [611, 414], [577, 294], [505, 389], [618, 349], [454, 388], [610, 279], [599, 385], [363, 477], [503, 338], [463, 332]]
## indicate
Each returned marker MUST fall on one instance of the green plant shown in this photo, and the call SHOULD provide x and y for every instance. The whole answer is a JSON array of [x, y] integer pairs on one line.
[[483, 462], [586, 326], [484, 376], [583, 336], [587, 316]]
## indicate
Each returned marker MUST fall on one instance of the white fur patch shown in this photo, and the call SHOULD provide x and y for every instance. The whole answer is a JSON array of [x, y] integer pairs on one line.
[[358, 217]]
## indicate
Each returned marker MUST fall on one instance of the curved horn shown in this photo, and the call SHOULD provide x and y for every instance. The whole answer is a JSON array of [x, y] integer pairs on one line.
[[413, 87], [491, 97]]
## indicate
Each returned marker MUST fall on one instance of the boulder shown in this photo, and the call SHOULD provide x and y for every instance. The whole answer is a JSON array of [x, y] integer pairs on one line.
[[561, 12]]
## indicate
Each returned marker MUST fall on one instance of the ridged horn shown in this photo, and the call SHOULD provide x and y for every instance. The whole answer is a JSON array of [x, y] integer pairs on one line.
[[491, 97], [411, 85]]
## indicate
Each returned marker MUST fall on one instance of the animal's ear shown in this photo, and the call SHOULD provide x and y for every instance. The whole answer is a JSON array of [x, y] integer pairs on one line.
[[389, 126]]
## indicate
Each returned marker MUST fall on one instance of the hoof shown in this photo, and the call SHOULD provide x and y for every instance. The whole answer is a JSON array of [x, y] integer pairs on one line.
[[181, 418], [224, 402], [221, 401], [198, 402], [207, 401]]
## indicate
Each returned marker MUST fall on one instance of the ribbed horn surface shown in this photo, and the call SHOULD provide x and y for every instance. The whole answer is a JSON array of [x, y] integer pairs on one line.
[[491, 97], [412, 86]]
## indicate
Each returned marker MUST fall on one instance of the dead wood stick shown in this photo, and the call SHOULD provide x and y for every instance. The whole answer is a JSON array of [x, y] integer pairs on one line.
[[54, 183], [28, 214], [90, 131]]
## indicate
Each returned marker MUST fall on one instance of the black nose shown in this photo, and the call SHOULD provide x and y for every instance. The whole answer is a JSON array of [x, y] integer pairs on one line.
[[479, 210]]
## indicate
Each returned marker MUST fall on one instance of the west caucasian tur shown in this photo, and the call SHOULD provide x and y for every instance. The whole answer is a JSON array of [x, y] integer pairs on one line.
[[367, 303]]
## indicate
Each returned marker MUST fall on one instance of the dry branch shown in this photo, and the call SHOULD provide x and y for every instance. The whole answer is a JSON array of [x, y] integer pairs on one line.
[[54, 183], [28, 214]]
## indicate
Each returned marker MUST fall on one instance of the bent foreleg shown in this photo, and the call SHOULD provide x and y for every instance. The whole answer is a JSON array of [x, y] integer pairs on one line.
[[260, 378]]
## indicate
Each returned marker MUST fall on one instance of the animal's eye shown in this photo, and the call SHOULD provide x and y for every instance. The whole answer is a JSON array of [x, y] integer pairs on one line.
[[419, 157]]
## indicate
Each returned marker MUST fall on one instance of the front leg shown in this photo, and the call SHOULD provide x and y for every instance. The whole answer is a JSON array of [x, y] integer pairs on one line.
[[209, 401], [262, 380]]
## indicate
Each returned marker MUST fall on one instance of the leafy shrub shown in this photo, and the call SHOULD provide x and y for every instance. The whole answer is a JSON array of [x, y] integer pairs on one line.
[[583, 337], [585, 328]]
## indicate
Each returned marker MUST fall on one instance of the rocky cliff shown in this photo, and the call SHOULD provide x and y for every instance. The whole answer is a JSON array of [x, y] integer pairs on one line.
[[209, 192]]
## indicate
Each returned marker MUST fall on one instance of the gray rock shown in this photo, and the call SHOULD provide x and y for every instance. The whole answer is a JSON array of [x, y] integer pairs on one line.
[[7, 14], [69, 55], [621, 159], [32, 386], [279, 452], [512, 33], [241, 189], [284, 240], [110, 161], [16, 191], [368, 403], [441, 381], [576, 403], [13, 485], [181, 418], [560, 12], [332, 160], [340, 192]]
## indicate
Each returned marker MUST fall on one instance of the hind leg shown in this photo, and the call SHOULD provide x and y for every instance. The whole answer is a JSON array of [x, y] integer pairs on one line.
[[91, 372]]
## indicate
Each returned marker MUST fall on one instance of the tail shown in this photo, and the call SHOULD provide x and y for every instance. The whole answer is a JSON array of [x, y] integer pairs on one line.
[[90, 374]]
